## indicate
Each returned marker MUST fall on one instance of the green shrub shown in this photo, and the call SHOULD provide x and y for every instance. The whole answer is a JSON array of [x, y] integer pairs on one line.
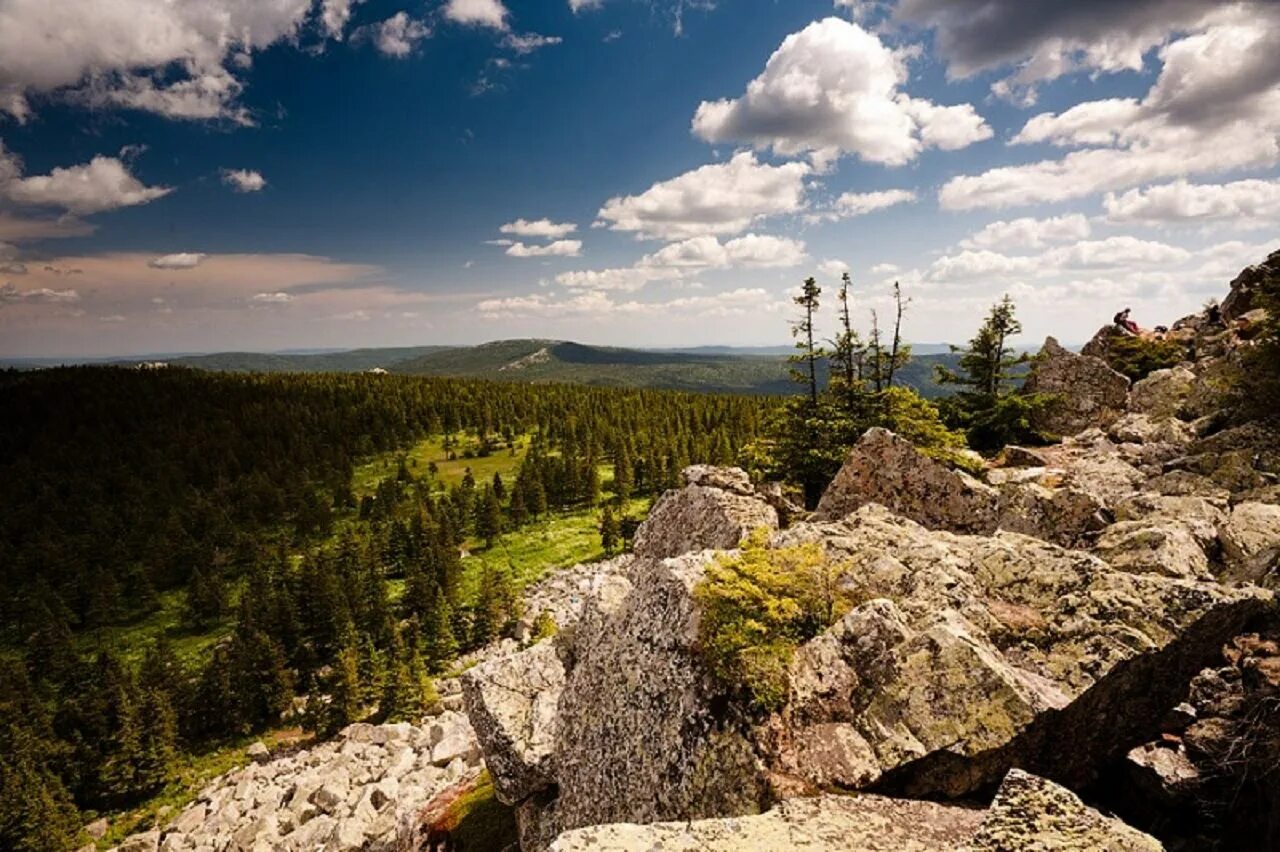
[[1139, 357], [758, 606]]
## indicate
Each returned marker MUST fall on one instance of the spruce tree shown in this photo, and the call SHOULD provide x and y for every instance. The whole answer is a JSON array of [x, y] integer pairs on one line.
[[610, 531]]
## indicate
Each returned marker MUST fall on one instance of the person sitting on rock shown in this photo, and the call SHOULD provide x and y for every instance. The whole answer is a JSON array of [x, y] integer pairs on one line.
[[1125, 324]]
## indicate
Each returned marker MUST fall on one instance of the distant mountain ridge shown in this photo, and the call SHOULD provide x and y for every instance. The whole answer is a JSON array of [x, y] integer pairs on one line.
[[724, 369]]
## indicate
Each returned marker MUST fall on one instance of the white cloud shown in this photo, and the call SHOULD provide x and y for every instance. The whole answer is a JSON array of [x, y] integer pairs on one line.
[[1117, 252], [277, 298], [334, 15], [167, 57], [719, 199], [541, 228], [1029, 233], [576, 6], [104, 183], [398, 35], [752, 251], [10, 294], [559, 248], [243, 180], [831, 89], [1215, 107], [1045, 39], [480, 13], [1242, 203], [980, 263], [732, 303], [832, 268], [23, 229], [884, 269], [529, 42], [183, 260], [626, 279], [861, 203]]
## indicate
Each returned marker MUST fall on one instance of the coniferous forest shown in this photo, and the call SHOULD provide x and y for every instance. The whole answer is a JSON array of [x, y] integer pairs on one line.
[[234, 493]]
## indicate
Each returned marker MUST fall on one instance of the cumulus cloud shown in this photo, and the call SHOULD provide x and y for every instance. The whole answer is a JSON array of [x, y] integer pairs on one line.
[[539, 228], [626, 279], [1029, 233], [183, 260], [718, 199], [243, 180], [558, 248], [1242, 203], [23, 228], [277, 298], [104, 183], [1045, 39], [831, 89], [1215, 107], [1122, 253], [334, 15], [397, 36], [479, 13], [172, 58], [752, 251], [833, 268]]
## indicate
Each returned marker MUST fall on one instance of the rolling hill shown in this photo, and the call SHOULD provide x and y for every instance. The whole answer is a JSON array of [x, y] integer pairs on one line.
[[755, 370]]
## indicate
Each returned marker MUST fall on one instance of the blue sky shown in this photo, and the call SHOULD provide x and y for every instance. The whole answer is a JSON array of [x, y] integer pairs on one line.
[[311, 173]]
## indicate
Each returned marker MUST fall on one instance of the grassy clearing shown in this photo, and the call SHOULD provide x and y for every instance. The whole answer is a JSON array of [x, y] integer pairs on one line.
[[449, 471], [131, 641], [557, 541]]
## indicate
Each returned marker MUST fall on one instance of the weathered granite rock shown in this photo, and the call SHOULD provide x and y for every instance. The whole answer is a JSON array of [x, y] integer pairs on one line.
[[716, 510], [636, 696], [1086, 392], [992, 652], [885, 469], [1245, 286], [1168, 548], [1067, 516], [1030, 813], [1163, 393], [821, 824], [1251, 544], [1149, 429], [512, 706]]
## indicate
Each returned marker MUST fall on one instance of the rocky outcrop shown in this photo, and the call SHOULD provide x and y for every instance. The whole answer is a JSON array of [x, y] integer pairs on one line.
[[989, 652], [716, 509], [1030, 813], [885, 469], [820, 824], [1240, 300], [1085, 391], [357, 792]]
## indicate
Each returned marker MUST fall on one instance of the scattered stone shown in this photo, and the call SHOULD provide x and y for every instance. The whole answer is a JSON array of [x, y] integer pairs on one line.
[[703, 515], [1164, 393], [258, 752], [98, 828], [1251, 544]]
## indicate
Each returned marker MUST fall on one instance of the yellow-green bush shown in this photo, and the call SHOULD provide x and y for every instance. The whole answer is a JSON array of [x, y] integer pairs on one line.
[[1138, 357], [758, 606]]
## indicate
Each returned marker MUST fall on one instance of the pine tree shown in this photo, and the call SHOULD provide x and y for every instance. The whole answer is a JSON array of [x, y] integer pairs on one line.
[[488, 517], [437, 632], [519, 513], [986, 406], [610, 531], [344, 691], [808, 352]]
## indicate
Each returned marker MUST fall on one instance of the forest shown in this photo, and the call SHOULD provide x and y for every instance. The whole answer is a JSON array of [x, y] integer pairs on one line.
[[124, 488]]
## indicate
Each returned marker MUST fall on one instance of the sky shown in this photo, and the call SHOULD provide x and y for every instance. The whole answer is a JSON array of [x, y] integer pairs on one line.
[[208, 175]]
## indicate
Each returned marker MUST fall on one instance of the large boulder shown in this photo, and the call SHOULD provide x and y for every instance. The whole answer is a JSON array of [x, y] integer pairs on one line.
[[1163, 393], [1085, 391], [716, 509], [885, 469], [1158, 546], [512, 707], [1068, 516], [1030, 813]]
